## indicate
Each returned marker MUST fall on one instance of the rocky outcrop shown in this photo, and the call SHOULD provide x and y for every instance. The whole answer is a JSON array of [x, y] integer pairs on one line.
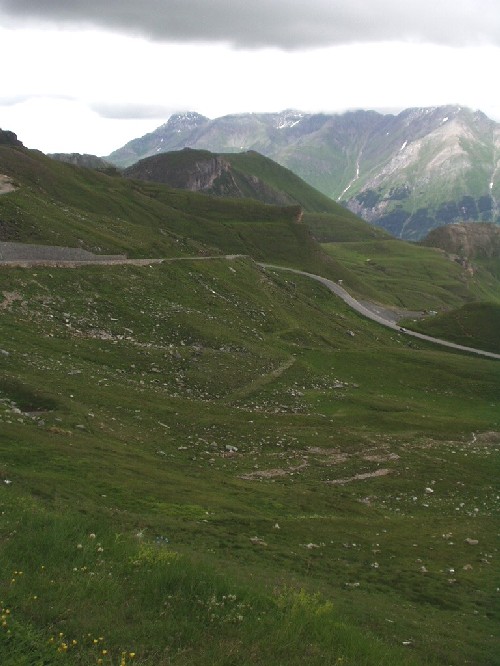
[[6, 184], [88, 161], [197, 171], [206, 172], [9, 139], [467, 241]]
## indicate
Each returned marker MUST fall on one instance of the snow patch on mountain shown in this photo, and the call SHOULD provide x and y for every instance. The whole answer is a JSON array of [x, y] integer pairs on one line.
[[288, 119]]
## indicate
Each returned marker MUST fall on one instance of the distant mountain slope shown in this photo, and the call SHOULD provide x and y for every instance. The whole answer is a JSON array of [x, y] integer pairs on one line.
[[88, 161], [407, 173], [470, 241]]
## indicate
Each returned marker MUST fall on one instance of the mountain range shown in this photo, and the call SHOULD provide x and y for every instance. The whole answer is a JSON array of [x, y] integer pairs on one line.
[[407, 173]]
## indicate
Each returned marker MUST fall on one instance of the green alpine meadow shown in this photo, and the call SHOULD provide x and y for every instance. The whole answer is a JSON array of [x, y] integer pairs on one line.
[[206, 459]]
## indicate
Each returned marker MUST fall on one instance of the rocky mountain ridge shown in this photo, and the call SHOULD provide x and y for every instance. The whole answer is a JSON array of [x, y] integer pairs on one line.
[[466, 241], [85, 160], [8, 138], [408, 173]]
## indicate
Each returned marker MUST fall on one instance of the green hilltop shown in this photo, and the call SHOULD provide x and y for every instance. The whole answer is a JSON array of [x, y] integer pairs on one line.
[[254, 176], [205, 461]]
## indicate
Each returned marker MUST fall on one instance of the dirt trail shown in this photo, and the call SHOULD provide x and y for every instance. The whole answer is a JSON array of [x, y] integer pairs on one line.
[[260, 381]]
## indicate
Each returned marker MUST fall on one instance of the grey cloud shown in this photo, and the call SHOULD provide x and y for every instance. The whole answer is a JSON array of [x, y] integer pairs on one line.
[[131, 111], [286, 24]]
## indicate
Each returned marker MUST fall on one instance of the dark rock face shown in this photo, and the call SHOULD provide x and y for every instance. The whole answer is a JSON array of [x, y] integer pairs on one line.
[[9, 139], [202, 171], [198, 175]]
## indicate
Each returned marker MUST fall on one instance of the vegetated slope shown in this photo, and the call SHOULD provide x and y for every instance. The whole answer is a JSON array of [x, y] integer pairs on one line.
[[475, 249], [252, 175], [206, 462], [245, 175], [404, 275], [59, 204], [342, 227], [407, 173], [474, 324], [421, 280]]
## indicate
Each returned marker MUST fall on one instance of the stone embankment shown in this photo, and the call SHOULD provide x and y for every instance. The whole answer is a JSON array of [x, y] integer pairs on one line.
[[26, 253]]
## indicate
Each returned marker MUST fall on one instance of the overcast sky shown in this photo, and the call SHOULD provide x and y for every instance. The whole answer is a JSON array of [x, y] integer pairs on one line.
[[89, 75]]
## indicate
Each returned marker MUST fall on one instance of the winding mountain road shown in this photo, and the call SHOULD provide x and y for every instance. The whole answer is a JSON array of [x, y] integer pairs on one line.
[[356, 305], [329, 284]]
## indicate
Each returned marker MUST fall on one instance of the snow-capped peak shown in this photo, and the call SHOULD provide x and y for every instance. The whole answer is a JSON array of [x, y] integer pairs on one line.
[[187, 120]]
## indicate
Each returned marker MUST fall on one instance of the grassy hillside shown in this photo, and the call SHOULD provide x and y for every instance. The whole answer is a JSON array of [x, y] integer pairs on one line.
[[474, 324], [342, 227], [209, 463], [59, 204], [251, 175], [206, 462], [282, 179], [247, 174], [404, 275]]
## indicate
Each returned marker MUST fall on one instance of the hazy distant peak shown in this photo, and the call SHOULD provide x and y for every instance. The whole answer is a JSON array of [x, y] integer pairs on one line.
[[186, 121]]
